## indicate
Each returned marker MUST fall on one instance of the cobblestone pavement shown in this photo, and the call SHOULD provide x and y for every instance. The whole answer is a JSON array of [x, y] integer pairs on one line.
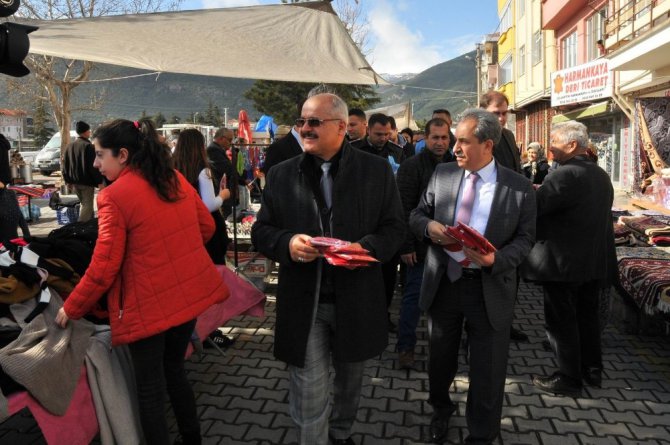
[[243, 396]]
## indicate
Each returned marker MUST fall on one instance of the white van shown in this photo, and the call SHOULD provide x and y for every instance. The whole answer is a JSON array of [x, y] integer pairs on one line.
[[47, 160]]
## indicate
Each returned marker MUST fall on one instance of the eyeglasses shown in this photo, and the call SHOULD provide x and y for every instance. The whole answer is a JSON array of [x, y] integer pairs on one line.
[[312, 122]]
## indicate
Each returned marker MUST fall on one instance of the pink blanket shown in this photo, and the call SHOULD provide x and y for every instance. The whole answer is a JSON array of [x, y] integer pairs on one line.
[[78, 426], [244, 299]]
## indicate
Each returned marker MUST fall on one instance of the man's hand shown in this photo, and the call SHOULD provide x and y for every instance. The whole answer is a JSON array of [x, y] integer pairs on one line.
[[479, 258], [436, 232], [300, 251], [409, 258]]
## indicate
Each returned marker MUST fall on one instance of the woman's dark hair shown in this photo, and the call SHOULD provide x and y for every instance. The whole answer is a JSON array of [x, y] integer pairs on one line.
[[189, 156], [146, 153]]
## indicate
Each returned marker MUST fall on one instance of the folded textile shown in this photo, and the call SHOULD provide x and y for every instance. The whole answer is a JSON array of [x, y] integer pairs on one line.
[[112, 384], [46, 359], [647, 225]]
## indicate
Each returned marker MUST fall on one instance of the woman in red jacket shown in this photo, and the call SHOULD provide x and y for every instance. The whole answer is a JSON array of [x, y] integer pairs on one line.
[[151, 260]]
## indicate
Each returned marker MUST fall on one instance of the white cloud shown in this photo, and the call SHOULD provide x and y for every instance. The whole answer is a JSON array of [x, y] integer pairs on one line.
[[210, 4], [395, 48]]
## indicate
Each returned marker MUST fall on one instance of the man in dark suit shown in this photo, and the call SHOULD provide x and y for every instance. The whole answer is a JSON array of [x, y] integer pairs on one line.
[[465, 284], [282, 149], [573, 259], [412, 179], [221, 165], [378, 143], [506, 152], [322, 311]]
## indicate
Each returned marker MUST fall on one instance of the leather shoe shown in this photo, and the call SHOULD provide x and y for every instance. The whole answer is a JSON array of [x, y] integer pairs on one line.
[[558, 384], [593, 377], [439, 424], [347, 441], [406, 359]]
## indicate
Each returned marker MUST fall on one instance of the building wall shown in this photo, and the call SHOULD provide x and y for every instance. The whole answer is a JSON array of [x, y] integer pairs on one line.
[[506, 46], [578, 23], [11, 127]]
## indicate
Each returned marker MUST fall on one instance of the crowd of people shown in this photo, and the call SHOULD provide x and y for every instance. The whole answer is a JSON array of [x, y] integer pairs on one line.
[[357, 178], [341, 174]]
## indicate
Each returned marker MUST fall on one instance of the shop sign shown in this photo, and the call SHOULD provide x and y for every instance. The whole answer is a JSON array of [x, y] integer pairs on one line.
[[584, 83], [627, 170]]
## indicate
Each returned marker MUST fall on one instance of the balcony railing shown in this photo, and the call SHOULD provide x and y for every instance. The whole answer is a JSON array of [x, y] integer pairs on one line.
[[634, 18]]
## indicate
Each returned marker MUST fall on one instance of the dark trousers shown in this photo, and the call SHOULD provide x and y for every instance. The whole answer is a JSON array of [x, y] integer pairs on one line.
[[390, 274], [167, 348], [454, 303], [573, 328]]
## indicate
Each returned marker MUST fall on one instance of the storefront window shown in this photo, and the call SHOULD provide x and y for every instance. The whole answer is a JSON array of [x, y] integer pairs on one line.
[[605, 134]]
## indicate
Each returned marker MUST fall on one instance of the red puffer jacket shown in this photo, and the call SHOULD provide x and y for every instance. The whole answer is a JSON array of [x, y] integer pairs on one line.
[[150, 255]]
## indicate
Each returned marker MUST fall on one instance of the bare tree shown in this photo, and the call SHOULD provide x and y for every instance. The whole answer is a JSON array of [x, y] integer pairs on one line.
[[57, 78]]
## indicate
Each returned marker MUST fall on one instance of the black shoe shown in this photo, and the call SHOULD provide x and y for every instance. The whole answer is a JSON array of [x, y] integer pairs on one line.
[[558, 384], [593, 377], [439, 424], [220, 340], [517, 335], [347, 441]]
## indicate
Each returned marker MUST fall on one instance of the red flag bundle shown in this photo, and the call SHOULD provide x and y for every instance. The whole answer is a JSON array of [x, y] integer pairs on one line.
[[341, 253], [468, 237]]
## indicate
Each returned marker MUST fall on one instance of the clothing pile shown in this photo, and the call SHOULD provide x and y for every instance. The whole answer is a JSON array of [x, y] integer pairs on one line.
[[45, 360]]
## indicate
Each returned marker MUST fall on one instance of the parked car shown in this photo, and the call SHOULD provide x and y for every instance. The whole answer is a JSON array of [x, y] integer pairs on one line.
[[48, 159]]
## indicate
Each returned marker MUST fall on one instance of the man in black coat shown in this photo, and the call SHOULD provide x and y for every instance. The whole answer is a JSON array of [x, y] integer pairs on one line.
[[220, 165], [325, 311], [506, 152], [282, 149], [378, 142], [573, 259], [78, 169], [412, 179]]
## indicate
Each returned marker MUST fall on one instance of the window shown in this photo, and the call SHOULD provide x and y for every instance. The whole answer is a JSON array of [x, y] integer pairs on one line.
[[522, 60], [595, 31], [505, 19], [569, 48], [505, 74], [536, 57], [521, 8]]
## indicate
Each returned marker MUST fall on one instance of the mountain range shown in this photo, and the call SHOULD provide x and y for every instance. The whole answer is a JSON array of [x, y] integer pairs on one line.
[[450, 85]]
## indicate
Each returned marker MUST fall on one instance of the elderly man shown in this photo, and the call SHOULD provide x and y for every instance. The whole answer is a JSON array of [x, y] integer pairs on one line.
[[573, 259], [413, 176], [324, 311], [464, 284]]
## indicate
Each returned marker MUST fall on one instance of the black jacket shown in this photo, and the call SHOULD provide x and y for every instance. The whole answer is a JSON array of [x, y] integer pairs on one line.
[[366, 209], [412, 179], [575, 240], [389, 149], [78, 161], [507, 153], [220, 164], [281, 150], [541, 171]]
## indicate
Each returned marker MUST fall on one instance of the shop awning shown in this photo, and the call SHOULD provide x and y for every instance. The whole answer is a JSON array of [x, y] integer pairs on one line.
[[582, 113], [303, 42]]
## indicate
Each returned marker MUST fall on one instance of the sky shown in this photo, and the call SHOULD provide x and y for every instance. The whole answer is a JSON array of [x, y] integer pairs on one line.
[[408, 36]]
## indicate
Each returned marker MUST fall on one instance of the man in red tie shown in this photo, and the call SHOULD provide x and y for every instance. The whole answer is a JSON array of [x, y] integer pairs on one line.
[[461, 284]]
